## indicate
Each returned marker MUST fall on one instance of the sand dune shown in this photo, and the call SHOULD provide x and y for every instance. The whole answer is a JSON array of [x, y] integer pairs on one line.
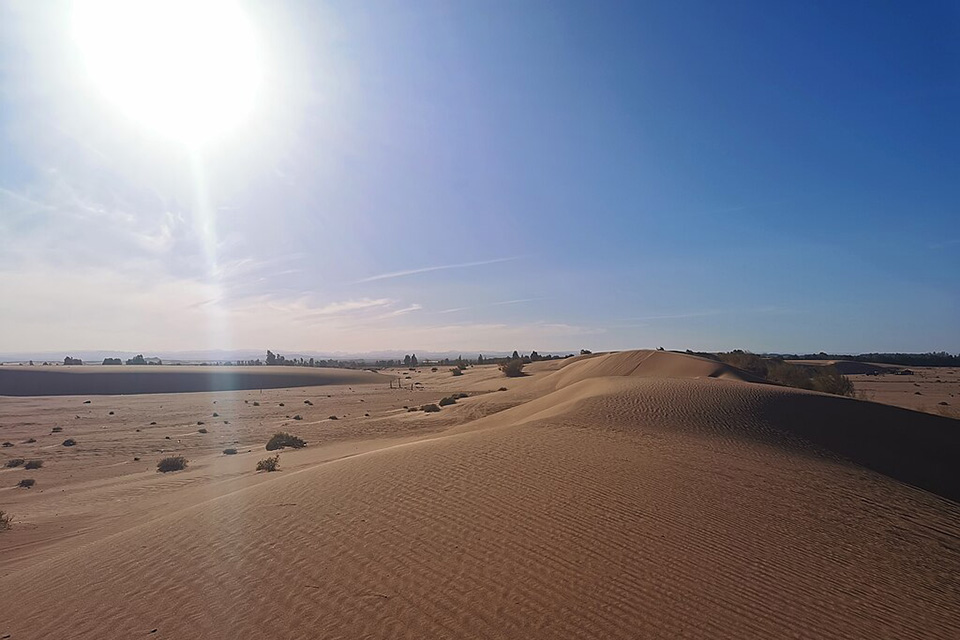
[[615, 505], [100, 380]]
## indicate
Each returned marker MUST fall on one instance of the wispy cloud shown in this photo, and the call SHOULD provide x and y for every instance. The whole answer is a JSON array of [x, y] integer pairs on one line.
[[401, 312], [491, 304], [443, 267]]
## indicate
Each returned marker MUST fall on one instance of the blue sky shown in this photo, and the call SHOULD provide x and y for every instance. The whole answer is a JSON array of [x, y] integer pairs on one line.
[[490, 176]]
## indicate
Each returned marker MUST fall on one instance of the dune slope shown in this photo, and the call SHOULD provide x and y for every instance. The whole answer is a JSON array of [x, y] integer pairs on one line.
[[616, 507]]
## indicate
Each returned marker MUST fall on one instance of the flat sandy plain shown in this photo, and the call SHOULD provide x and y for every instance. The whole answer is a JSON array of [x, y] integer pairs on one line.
[[633, 495]]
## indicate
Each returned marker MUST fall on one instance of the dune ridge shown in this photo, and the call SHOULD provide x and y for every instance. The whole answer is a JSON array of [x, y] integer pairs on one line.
[[609, 506]]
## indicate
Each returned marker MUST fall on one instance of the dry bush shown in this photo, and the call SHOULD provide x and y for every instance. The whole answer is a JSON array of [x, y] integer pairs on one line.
[[69, 442], [56, 430], [6, 520], [33, 464], [298, 417], [456, 372], [230, 452], [26, 483], [283, 439], [269, 464], [173, 463], [14, 462], [448, 401], [512, 369], [429, 408]]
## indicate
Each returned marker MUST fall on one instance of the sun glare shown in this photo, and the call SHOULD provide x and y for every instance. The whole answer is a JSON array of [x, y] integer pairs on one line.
[[188, 69]]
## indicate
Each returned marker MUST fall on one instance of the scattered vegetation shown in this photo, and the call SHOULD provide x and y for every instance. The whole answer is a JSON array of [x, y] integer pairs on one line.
[[69, 442], [298, 417], [256, 404], [230, 452], [5, 520], [502, 389], [31, 440], [334, 418], [429, 408], [308, 402], [456, 371], [447, 401], [172, 463], [512, 369], [433, 369], [199, 422], [33, 464], [26, 483], [56, 430], [201, 430], [216, 415], [269, 464], [7, 444], [282, 405], [14, 462], [283, 439], [822, 378]]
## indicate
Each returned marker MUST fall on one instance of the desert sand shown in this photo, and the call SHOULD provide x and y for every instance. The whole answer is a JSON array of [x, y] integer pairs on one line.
[[634, 495]]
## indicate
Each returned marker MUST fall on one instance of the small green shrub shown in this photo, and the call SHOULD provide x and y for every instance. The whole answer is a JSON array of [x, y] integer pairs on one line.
[[26, 483], [33, 464], [447, 401], [14, 462], [230, 452], [269, 464], [429, 408], [173, 463], [283, 439]]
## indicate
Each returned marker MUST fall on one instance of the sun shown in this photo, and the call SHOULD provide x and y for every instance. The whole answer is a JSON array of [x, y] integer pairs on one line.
[[187, 69]]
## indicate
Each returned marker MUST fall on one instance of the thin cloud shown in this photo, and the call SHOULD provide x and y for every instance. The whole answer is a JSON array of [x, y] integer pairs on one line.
[[411, 272], [492, 304]]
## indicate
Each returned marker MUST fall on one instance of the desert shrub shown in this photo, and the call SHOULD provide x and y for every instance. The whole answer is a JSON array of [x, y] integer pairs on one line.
[[201, 430], [173, 463], [69, 442], [5, 520], [256, 404], [110, 414], [308, 402], [333, 418], [429, 408], [33, 464], [502, 389], [230, 452], [829, 380], [434, 369], [26, 483], [448, 401], [297, 417], [216, 415], [14, 462], [31, 440], [411, 409], [269, 464], [56, 430], [282, 405], [456, 372], [512, 369], [7, 444], [199, 421], [282, 439]]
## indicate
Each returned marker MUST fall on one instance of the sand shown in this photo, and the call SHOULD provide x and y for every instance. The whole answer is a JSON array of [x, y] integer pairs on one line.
[[636, 495]]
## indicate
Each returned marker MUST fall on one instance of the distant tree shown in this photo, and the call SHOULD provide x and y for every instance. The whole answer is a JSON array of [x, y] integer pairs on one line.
[[71, 361], [137, 359], [271, 357], [112, 361], [406, 360], [413, 360], [480, 359], [311, 362], [515, 356], [534, 356], [585, 352]]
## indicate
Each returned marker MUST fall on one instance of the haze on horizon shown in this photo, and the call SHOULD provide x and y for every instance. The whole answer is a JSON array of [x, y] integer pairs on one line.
[[347, 177]]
